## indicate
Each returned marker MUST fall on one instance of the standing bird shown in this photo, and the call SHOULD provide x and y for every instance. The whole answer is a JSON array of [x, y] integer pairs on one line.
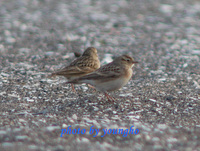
[[111, 76], [83, 65]]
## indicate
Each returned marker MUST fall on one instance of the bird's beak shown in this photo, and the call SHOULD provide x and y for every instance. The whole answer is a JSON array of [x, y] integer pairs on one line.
[[134, 62]]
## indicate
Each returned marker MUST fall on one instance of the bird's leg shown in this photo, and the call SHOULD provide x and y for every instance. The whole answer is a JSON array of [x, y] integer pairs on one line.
[[109, 97], [90, 86], [73, 89]]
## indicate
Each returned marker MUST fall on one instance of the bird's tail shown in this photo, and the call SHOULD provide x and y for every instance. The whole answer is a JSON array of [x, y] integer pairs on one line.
[[75, 81], [51, 75]]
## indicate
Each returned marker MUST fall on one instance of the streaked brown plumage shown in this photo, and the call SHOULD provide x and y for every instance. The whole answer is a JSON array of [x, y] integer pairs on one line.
[[83, 65], [111, 76]]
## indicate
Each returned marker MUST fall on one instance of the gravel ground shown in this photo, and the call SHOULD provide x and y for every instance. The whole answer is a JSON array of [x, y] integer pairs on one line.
[[162, 100]]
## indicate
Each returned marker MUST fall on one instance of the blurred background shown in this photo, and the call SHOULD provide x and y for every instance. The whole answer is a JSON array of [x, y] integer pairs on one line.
[[38, 37]]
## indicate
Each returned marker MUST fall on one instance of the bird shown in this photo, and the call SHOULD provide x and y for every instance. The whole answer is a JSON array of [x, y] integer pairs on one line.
[[81, 66], [109, 77]]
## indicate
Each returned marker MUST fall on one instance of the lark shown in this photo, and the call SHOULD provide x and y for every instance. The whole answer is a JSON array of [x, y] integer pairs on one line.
[[110, 77], [83, 65]]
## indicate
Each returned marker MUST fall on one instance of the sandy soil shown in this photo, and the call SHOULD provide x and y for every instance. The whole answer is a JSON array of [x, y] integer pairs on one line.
[[162, 100]]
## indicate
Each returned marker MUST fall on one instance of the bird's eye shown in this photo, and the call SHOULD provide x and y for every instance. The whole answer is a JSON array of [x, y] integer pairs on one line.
[[128, 60]]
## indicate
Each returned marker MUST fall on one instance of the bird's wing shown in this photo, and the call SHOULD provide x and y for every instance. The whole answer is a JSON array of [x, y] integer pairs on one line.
[[78, 67], [105, 73], [73, 71]]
